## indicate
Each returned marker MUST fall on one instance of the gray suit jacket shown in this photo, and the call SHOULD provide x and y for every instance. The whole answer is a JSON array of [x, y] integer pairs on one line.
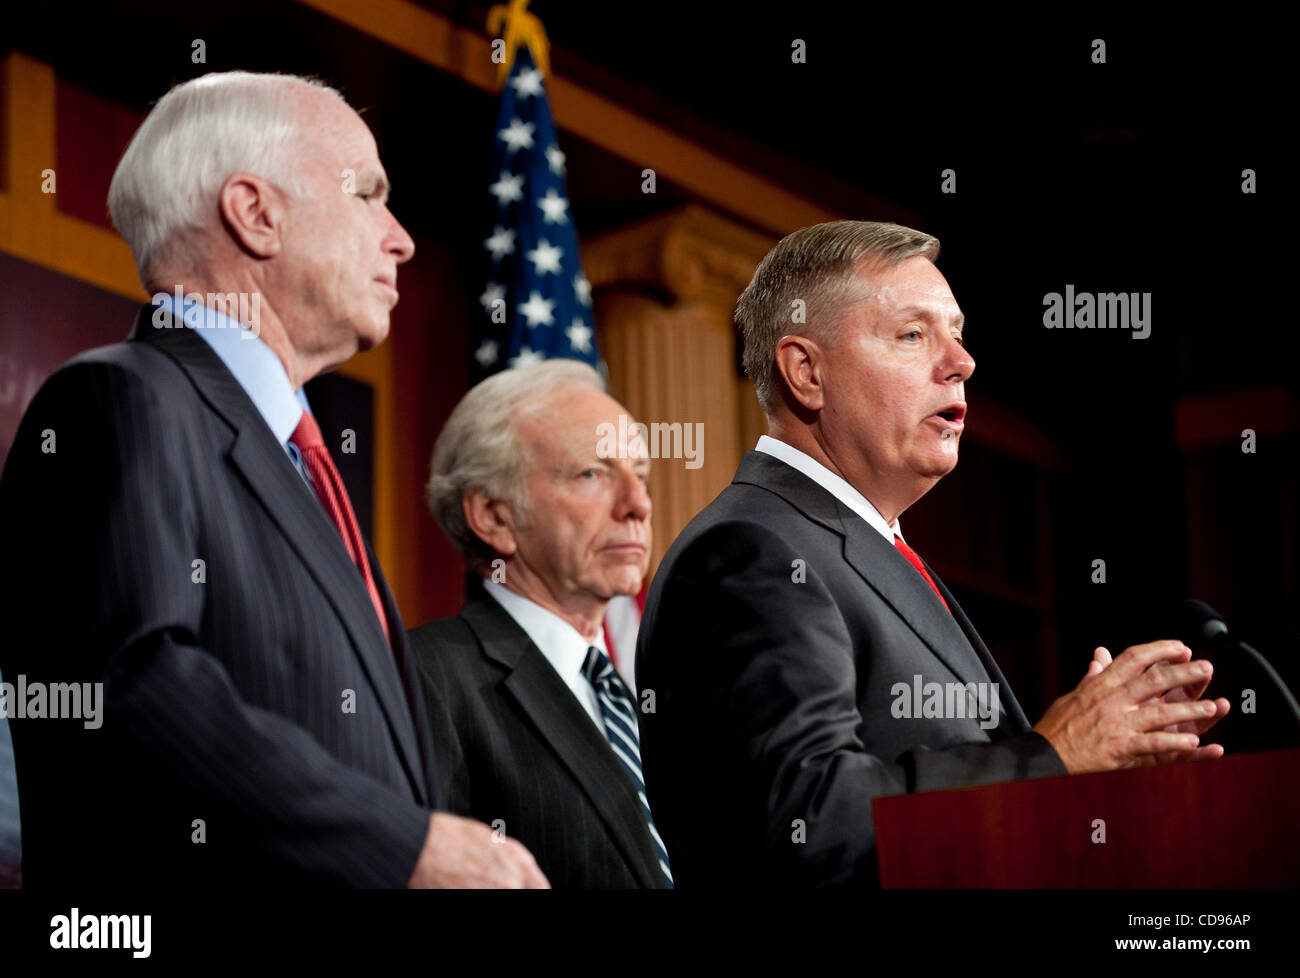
[[774, 636], [258, 698], [514, 744]]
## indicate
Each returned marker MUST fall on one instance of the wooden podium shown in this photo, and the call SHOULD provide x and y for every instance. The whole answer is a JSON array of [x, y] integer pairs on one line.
[[1233, 822]]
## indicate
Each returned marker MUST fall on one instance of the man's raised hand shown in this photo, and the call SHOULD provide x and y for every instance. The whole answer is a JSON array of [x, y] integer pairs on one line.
[[1138, 710]]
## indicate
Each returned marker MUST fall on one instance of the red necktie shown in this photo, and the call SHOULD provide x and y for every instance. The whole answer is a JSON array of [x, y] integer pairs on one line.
[[334, 497], [915, 561]]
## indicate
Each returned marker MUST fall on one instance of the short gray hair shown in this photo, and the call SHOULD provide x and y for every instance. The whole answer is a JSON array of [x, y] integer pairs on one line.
[[198, 134], [479, 448], [815, 264]]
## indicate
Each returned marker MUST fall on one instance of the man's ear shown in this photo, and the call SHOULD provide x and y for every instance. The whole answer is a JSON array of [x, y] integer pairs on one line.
[[491, 521], [801, 362], [253, 212]]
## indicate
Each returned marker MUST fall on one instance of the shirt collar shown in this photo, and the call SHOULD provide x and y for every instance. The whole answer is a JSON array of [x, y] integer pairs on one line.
[[559, 641], [253, 364], [831, 482]]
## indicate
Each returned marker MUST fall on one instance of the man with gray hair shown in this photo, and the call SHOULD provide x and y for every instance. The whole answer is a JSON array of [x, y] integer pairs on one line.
[[188, 544], [804, 658], [536, 732]]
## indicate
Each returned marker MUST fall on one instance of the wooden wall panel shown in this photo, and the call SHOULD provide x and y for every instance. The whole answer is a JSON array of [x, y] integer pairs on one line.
[[670, 365], [665, 293]]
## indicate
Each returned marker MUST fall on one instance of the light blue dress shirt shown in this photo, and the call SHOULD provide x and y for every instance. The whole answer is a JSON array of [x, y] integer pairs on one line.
[[258, 370]]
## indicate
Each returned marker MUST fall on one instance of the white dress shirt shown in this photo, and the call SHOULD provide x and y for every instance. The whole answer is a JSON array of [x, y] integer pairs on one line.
[[831, 482], [564, 648]]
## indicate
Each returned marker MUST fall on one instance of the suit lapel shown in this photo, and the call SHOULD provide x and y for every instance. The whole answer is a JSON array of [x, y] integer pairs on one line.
[[562, 722], [263, 464], [891, 576], [1012, 719], [880, 565]]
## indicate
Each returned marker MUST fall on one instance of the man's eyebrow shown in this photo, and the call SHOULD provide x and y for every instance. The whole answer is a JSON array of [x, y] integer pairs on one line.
[[925, 312], [378, 184]]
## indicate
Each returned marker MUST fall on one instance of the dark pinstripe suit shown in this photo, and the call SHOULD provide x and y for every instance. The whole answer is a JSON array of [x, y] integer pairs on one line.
[[224, 700], [514, 744]]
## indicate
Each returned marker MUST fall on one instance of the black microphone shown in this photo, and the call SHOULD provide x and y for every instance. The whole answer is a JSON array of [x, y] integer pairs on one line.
[[1205, 626], [1204, 622]]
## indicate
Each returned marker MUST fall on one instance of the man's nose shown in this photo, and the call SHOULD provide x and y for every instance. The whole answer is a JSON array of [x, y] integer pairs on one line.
[[398, 243], [957, 363], [634, 497]]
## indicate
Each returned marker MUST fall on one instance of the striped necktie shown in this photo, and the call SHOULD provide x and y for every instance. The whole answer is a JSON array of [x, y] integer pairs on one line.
[[620, 727]]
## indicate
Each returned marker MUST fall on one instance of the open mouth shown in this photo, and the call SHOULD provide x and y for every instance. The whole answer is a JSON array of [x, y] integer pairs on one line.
[[952, 416]]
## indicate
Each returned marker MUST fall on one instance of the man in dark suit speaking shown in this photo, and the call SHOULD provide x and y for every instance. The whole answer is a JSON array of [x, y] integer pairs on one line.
[[180, 547], [803, 658], [536, 730]]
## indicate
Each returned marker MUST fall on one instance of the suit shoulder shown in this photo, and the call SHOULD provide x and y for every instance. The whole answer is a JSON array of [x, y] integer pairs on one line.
[[455, 674], [743, 524], [443, 644], [123, 371], [109, 404]]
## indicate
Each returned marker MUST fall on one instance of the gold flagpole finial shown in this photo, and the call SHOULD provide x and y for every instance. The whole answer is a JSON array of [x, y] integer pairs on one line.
[[520, 27]]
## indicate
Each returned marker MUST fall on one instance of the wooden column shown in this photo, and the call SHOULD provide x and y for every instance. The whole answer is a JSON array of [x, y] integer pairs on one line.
[[664, 292]]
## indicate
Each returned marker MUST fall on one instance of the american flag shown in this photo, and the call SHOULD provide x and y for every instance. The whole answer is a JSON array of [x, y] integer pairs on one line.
[[537, 302]]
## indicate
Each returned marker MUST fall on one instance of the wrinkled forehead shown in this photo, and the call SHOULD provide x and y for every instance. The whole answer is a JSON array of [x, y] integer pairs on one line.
[[913, 284], [911, 279], [574, 422]]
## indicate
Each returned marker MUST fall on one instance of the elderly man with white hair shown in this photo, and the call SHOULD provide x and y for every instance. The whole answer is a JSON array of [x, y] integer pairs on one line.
[[536, 733], [188, 549]]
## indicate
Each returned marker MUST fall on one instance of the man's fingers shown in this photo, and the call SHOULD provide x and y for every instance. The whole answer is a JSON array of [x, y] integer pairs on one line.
[[1194, 691], [1162, 678], [1222, 706], [531, 874], [1161, 742], [1189, 692], [1162, 715], [1100, 660], [1183, 694], [1135, 660], [466, 854], [517, 866], [1210, 752]]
